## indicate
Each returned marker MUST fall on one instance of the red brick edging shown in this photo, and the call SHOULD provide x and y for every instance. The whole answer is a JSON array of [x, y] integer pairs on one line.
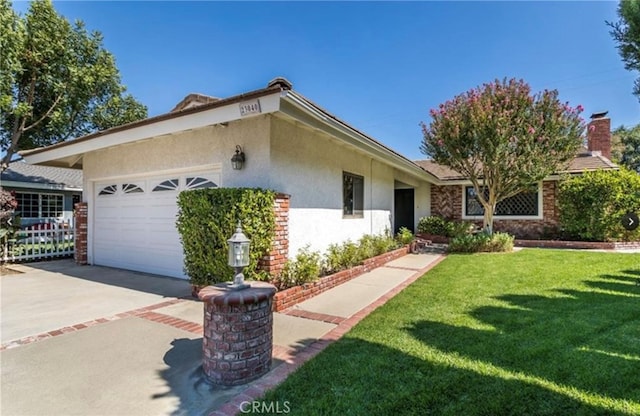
[[287, 298], [144, 312], [294, 359]]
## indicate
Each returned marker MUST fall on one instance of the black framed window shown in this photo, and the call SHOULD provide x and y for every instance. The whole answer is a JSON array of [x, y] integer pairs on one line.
[[524, 204], [352, 195]]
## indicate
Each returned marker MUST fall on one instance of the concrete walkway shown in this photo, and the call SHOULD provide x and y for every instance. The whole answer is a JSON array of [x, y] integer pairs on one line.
[[124, 343]]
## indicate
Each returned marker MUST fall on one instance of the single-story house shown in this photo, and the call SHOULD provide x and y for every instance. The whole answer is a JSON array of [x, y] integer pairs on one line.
[[529, 214], [342, 183], [45, 194], [339, 183]]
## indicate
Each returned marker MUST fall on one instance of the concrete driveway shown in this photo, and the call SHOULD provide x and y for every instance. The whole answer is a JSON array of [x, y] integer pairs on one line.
[[88, 340]]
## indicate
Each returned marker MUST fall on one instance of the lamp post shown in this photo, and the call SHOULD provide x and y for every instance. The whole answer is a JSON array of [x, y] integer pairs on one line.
[[238, 257]]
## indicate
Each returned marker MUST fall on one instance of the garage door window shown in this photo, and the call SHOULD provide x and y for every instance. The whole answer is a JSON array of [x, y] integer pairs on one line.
[[108, 190], [168, 185], [131, 188], [199, 183]]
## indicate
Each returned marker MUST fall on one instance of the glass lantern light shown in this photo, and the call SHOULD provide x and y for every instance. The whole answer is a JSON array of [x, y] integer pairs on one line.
[[238, 257]]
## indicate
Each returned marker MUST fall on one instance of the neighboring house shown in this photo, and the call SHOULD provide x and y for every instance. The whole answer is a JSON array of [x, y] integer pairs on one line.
[[529, 214], [45, 194], [342, 183]]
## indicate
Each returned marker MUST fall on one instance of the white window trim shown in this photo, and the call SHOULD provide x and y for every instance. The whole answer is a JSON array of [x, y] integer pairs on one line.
[[540, 215]]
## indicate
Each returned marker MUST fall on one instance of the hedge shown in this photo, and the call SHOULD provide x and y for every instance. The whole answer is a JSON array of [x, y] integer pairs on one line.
[[592, 205], [207, 218]]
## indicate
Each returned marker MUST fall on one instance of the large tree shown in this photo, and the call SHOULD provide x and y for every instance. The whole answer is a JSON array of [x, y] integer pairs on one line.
[[626, 32], [503, 138], [626, 147], [57, 81]]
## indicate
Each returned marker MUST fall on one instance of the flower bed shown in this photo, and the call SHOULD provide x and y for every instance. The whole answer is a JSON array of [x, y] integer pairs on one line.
[[294, 295]]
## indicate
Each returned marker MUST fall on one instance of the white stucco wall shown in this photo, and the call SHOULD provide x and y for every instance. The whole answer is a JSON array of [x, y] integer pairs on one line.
[[308, 166]]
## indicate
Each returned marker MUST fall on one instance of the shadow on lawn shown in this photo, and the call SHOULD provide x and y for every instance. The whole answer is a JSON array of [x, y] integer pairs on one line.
[[587, 340]]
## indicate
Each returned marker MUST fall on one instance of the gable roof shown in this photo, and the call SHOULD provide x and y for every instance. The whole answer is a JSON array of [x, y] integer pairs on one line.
[[20, 174], [585, 160], [277, 98]]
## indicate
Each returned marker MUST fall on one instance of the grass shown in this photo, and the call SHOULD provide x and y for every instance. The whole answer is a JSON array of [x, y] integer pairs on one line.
[[537, 332]]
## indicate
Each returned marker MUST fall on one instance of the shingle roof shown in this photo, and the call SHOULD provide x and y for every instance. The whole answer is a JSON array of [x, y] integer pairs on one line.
[[21, 171], [585, 160]]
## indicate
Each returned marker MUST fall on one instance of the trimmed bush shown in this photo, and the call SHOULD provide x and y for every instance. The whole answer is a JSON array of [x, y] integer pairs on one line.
[[435, 225], [592, 205], [404, 236], [348, 254], [207, 218], [481, 242], [304, 269]]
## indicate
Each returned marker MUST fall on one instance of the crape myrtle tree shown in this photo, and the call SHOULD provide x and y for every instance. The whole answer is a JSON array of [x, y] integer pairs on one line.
[[503, 138], [56, 81]]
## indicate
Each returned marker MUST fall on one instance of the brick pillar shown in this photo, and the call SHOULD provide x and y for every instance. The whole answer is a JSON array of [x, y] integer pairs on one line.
[[274, 261], [237, 341], [80, 220]]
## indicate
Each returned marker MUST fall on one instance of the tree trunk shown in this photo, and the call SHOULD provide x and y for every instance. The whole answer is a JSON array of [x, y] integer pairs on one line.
[[487, 221]]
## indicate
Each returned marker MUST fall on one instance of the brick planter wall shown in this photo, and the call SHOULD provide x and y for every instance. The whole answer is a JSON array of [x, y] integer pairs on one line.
[[80, 244], [238, 333], [292, 296], [593, 245]]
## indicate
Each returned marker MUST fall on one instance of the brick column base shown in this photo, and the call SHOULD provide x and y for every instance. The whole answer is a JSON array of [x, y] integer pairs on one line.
[[238, 333]]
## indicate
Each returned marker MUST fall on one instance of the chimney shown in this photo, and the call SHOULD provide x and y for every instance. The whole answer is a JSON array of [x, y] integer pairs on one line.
[[599, 134]]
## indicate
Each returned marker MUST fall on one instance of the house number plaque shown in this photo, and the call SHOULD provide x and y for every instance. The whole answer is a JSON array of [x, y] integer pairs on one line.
[[250, 107]]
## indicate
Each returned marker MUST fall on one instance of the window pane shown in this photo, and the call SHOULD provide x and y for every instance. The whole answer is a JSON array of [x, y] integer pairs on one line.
[[523, 204], [352, 194], [27, 205]]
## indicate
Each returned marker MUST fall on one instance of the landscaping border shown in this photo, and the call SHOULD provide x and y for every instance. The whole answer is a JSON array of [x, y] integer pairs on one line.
[[287, 298], [580, 245]]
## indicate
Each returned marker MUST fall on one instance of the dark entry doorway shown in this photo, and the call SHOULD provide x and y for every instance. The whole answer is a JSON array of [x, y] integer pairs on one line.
[[403, 206]]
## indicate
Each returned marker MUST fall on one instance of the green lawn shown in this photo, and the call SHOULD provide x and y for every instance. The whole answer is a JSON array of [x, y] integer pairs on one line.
[[537, 332]]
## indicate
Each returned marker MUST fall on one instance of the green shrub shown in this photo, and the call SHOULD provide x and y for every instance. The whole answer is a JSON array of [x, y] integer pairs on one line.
[[207, 218], [481, 242], [348, 254], [304, 269], [435, 225], [592, 205], [404, 236]]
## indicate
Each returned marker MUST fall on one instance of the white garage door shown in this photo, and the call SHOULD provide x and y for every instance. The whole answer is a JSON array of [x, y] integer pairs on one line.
[[134, 222]]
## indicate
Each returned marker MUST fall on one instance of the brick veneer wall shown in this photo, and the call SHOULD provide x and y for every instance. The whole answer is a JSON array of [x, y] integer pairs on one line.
[[446, 201], [292, 296], [274, 261], [80, 244]]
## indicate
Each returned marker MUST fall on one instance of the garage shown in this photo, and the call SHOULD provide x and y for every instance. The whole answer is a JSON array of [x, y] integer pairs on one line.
[[134, 221]]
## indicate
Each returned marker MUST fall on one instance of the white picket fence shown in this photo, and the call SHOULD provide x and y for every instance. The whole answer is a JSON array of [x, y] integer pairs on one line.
[[40, 242]]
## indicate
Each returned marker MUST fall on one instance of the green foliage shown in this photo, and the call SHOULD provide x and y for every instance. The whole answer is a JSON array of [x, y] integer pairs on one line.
[[207, 218], [481, 242], [304, 269], [592, 205], [626, 33], [349, 254], [56, 80], [503, 138], [404, 236], [626, 147], [436, 225]]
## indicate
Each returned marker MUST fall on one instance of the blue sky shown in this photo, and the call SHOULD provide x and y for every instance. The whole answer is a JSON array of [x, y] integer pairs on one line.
[[379, 66]]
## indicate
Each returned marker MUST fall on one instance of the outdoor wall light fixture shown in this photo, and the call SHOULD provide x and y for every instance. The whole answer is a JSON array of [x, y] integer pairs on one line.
[[238, 159], [238, 257]]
